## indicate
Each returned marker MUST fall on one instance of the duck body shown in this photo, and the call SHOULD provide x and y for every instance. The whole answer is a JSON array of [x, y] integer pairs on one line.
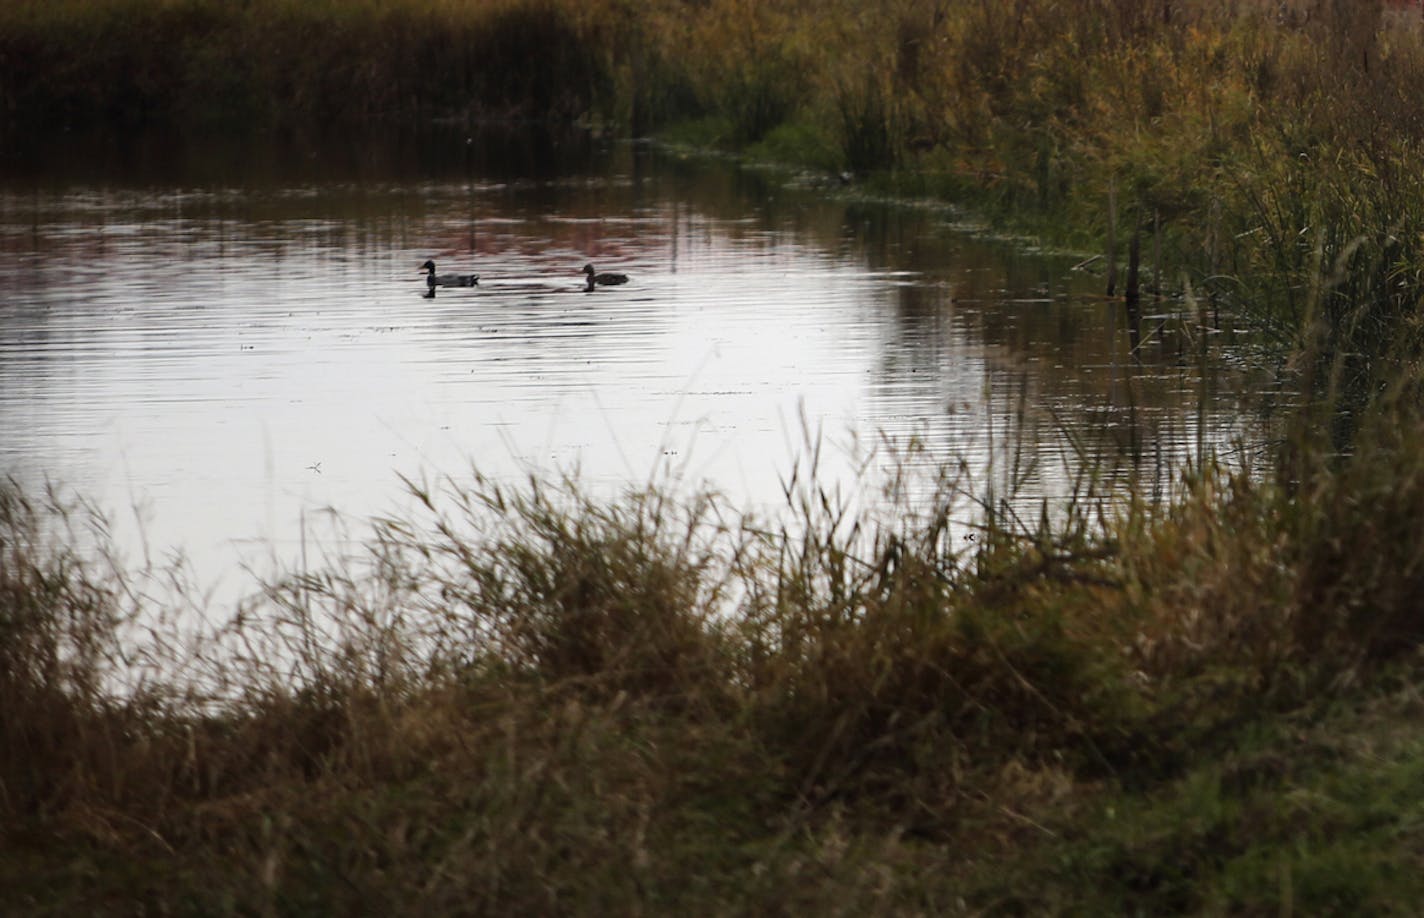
[[603, 280], [433, 280]]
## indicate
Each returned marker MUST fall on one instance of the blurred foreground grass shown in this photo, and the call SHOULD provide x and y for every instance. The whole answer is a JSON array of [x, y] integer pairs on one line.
[[528, 701]]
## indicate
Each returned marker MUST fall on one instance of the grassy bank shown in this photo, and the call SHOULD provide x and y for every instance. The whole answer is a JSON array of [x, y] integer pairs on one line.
[[528, 702]]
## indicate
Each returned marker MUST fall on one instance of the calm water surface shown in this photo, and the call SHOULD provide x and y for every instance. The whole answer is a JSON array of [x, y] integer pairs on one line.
[[215, 345]]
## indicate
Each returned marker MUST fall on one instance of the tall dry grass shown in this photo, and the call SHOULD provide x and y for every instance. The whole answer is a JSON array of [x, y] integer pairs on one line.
[[526, 698]]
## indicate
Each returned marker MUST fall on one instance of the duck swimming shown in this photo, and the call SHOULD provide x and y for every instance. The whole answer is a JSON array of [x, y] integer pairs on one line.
[[603, 280], [433, 280]]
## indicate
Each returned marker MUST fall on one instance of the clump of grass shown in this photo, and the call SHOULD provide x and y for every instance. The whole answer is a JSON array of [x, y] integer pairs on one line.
[[615, 599], [79, 705], [893, 664]]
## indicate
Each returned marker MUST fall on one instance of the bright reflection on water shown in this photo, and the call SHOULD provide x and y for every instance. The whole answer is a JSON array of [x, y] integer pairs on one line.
[[214, 351]]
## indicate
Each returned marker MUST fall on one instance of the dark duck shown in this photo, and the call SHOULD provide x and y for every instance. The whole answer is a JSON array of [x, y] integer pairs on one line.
[[433, 280], [603, 280]]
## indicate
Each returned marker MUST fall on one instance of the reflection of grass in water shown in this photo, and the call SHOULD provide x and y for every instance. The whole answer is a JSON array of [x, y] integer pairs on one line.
[[522, 697], [190, 62]]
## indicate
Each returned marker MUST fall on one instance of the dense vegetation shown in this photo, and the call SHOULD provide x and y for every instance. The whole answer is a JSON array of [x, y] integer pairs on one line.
[[530, 702]]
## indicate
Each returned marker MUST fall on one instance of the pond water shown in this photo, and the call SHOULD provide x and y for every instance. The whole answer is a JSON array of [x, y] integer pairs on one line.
[[217, 343]]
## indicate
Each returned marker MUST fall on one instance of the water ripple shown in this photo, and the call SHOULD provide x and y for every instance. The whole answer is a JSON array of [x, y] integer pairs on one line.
[[232, 357]]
